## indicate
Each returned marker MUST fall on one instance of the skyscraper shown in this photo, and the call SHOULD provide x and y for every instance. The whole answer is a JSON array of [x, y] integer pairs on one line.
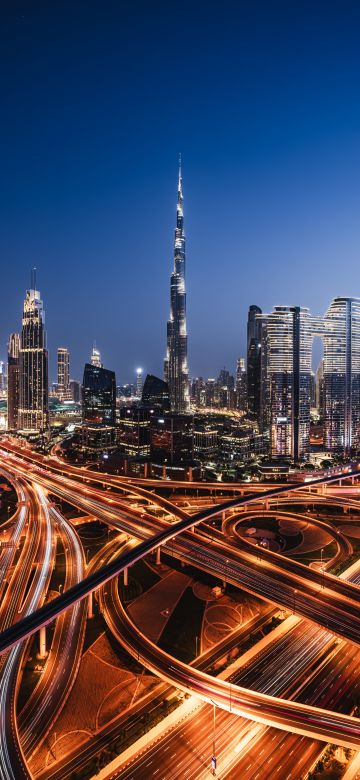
[[99, 408], [139, 382], [155, 394], [289, 335], [254, 362], [241, 385], [34, 391], [63, 374], [175, 364], [319, 389], [13, 396], [3, 379], [342, 375]]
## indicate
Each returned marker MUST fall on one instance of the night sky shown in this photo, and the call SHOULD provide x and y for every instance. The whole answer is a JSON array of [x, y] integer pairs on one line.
[[97, 100]]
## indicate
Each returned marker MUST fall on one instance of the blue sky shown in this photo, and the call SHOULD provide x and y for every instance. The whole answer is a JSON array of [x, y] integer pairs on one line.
[[98, 98]]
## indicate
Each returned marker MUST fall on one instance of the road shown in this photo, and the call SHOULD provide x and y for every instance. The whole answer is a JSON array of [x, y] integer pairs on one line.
[[335, 604]]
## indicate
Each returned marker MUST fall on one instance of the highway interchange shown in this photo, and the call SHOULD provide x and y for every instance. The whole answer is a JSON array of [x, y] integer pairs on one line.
[[147, 520]]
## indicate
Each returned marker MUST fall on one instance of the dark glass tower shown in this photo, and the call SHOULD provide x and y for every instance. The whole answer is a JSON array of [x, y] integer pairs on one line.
[[99, 396], [99, 409], [156, 393], [34, 391], [254, 362], [175, 364]]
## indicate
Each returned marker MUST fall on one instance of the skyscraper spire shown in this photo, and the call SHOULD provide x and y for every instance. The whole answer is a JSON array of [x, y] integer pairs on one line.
[[175, 364]]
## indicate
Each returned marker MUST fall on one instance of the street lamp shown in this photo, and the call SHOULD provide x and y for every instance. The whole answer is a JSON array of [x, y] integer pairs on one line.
[[295, 592]]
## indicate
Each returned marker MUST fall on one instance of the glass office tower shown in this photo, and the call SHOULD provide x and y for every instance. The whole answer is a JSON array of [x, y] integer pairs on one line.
[[99, 408], [13, 390], [254, 362], [287, 344], [341, 375]]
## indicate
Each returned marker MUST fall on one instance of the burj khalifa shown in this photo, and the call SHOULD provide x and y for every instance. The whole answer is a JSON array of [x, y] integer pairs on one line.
[[175, 365]]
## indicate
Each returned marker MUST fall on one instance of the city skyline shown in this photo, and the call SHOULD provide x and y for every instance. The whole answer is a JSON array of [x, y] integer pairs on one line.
[[271, 178], [180, 390]]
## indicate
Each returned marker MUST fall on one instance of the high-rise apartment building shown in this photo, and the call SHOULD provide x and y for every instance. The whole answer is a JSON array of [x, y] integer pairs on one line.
[[175, 365], [13, 391], [342, 375], [34, 391], [289, 333], [254, 326], [63, 372]]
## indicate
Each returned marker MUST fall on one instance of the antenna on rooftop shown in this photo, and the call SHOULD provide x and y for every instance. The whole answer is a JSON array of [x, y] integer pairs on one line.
[[33, 278]]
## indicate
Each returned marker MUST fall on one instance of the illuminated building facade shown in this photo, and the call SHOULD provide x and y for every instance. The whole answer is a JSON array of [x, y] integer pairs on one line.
[[175, 365], [254, 362], [3, 379], [63, 373], [139, 382], [205, 438], [341, 375], [95, 359], [319, 389], [289, 335], [13, 391], [134, 431], [34, 392], [241, 399]]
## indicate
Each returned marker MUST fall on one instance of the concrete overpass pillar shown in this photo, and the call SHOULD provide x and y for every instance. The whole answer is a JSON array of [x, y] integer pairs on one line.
[[267, 506], [126, 578], [223, 514], [42, 642], [158, 556], [90, 605]]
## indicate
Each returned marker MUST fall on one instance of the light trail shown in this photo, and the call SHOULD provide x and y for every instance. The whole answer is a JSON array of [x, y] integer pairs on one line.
[[167, 534], [12, 762]]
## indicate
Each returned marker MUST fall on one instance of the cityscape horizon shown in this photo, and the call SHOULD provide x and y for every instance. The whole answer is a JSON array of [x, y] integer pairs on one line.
[[180, 390]]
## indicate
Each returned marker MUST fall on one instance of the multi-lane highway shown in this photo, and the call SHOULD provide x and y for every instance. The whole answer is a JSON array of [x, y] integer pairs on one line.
[[319, 596], [333, 603]]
